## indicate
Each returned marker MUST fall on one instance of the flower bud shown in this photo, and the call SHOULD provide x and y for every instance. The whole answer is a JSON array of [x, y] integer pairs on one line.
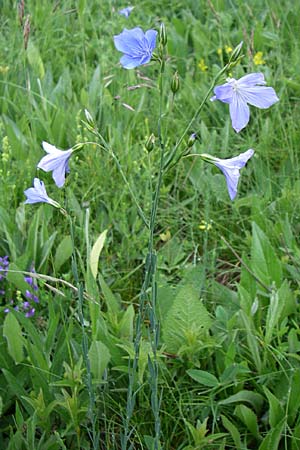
[[235, 55], [78, 146], [163, 35], [89, 118], [149, 144], [192, 139], [175, 83]]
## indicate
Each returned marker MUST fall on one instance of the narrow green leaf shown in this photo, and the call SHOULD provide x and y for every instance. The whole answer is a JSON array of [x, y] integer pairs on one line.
[[276, 412], [233, 432], [35, 60], [113, 305], [203, 377], [271, 441], [95, 253], [264, 261], [126, 324], [47, 247], [99, 357], [255, 399], [294, 397], [63, 252], [15, 341], [252, 340], [249, 418]]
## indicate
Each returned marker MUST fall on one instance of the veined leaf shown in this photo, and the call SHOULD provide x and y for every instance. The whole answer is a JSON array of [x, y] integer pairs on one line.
[[187, 321], [15, 341], [203, 377], [99, 357]]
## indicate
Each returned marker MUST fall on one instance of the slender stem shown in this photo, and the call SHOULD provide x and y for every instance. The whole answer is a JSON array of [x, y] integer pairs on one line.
[[145, 299], [89, 384], [196, 114]]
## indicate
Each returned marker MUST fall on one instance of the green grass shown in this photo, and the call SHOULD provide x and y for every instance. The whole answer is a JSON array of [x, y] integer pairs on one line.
[[228, 350]]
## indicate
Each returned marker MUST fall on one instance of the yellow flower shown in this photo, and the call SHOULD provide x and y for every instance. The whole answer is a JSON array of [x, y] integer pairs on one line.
[[258, 59], [165, 237], [202, 65], [228, 49], [219, 51], [205, 226], [4, 69]]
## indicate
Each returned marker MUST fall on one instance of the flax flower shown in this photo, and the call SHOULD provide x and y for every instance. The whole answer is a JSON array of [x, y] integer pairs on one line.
[[136, 45], [249, 89], [56, 161], [230, 168]]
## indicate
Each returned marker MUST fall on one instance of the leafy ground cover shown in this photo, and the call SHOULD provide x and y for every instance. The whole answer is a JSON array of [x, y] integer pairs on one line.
[[218, 364]]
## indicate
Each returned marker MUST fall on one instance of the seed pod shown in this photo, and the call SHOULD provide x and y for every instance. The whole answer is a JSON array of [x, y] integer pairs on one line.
[[175, 83], [163, 35], [149, 144]]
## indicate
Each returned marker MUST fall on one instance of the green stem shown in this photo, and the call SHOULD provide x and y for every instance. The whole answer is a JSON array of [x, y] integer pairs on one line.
[[196, 114], [89, 384], [149, 280]]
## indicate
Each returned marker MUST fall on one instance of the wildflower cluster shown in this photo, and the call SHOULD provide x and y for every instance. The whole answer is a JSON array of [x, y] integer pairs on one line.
[[4, 265], [23, 303]]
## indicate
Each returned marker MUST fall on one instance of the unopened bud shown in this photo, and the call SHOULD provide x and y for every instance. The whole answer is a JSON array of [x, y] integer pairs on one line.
[[192, 139], [236, 53], [175, 83], [163, 35], [26, 31], [89, 118], [77, 147], [149, 144]]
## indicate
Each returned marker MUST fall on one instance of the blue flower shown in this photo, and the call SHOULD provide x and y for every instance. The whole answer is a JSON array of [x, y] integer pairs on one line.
[[230, 168], [136, 45], [126, 11], [38, 194], [56, 161], [249, 89]]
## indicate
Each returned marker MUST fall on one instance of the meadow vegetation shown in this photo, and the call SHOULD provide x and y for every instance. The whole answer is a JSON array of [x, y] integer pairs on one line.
[[219, 348]]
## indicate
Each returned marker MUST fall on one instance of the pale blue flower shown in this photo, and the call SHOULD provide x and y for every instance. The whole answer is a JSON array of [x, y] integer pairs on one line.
[[56, 161], [230, 168], [249, 89], [126, 11], [136, 45], [38, 193]]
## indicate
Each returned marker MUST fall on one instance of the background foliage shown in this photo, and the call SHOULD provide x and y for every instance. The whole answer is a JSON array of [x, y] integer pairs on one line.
[[228, 281]]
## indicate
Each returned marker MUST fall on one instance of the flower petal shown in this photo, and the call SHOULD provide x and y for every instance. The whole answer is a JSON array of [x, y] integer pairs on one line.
[[251, 80], [49, 148], [129, 62], [56, 160], [59, 175], [260, 96], [238, 161], [126, 11], [232, 179], [224, 93], [231, 169], [151, 39], [130, 41], [37, 193], [239, 112]]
